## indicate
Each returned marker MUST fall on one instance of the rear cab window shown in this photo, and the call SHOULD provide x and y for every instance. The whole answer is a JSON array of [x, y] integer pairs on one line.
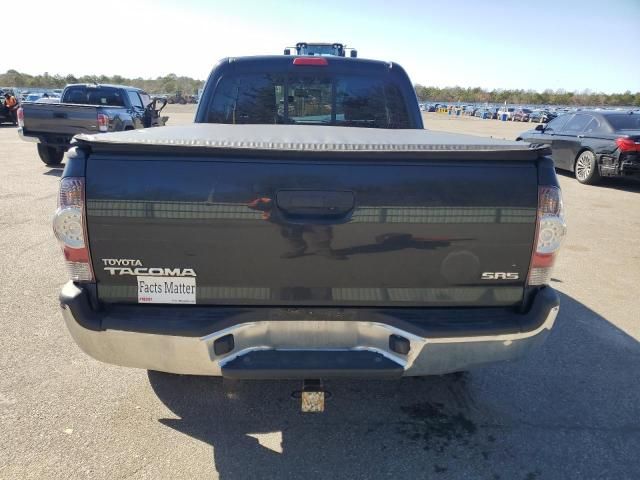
[[321, 98], [88, 95], [248, 99]]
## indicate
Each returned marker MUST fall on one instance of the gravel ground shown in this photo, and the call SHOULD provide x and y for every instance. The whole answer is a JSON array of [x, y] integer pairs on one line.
[[570, 410]]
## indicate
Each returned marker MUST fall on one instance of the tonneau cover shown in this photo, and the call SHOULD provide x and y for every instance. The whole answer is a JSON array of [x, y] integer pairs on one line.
[[311, 215], [272, 139]]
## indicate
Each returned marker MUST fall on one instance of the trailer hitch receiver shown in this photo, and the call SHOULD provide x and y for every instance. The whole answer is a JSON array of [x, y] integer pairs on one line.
[[312, 396]]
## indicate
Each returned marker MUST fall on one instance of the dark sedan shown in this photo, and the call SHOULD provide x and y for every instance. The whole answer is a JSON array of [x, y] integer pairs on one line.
[[592, 144]]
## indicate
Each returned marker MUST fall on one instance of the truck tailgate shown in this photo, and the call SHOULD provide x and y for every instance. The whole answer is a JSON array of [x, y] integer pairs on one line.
[[60, 118], [325, 231]]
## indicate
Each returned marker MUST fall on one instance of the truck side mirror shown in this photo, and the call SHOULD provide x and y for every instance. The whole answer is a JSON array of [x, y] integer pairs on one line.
[[287, 51], [540, 127], [354, 53]]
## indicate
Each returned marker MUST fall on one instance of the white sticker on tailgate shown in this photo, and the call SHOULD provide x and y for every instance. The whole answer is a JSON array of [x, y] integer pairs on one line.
[[166, 289]]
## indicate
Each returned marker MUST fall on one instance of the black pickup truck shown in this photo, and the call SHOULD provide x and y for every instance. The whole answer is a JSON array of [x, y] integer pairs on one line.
[[86, 108], [269, 241]]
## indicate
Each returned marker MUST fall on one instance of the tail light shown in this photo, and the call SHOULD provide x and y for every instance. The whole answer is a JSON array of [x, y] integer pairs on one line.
[[70, 228], [626, 144], [20, 116], [103, 122], [311, 61], [550, 232]]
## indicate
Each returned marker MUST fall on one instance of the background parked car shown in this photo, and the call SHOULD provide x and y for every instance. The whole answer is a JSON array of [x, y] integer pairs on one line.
[[508, 111], [33, 97], [486, 113], [592, 144], [521, 115], [541, 116], [470, 110]]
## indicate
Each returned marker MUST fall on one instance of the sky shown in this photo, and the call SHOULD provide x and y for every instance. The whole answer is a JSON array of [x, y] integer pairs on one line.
[[560, 44]]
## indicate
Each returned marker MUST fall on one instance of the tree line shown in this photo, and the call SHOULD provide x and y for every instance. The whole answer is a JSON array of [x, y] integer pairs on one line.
[[168, 84], [526, 97], [189, 86]]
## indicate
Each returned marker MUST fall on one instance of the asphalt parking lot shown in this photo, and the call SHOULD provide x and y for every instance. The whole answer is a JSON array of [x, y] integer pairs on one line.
[[570, 410]]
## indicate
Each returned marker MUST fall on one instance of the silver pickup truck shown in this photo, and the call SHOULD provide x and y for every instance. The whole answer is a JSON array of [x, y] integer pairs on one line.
[[86, 108]]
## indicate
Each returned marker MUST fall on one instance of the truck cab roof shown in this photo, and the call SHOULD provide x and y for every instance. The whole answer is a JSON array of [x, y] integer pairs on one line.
[[285, 62], [102, 85]]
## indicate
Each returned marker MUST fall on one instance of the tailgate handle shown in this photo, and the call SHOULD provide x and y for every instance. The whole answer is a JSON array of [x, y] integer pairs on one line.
[[59, 115], [315, 203]]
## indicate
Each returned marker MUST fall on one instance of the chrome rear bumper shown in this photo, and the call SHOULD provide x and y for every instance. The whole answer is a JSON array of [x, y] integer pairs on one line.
[[196, 354], [27, 138]]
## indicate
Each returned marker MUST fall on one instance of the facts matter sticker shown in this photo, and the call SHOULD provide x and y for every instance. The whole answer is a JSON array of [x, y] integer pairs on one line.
[[166, 289]]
